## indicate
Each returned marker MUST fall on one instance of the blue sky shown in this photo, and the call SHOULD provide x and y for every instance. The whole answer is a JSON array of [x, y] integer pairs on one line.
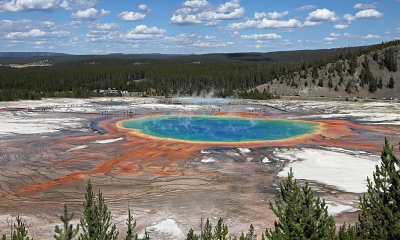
[[193, 26]]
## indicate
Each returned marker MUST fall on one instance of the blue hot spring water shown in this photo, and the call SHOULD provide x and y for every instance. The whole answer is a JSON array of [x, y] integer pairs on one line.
[[220, 129]]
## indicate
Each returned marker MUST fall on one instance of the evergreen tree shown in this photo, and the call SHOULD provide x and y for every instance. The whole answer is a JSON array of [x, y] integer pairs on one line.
[[349, 86], [330, 83], [191, 235], [146, 235], [20, 232], [380, 209], [320, 83], [347, 233], [390, 60], [300, 214], [315, 73], [220, 230], [207, 231], [96, 218], [3, 237], [375, 56], [68, 231], [391, 82], [380, 82], [131, 226]]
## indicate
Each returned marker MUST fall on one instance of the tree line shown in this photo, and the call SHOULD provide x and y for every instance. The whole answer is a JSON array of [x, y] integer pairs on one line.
[[300, 215], [189, 75]]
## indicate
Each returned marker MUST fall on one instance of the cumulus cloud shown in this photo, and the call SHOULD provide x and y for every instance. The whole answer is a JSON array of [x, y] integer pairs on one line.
[[305, 8], [202, 12], [104, 12], [143, 32], [262, 36], [322, 15], [131, 16], [145, 8], [349, 18], [36, 33], [330, 39], [369, 14], [266, 23], [341, 26], [365, 5], [371, 36], [88, 14], [270, 15], [44, 5]]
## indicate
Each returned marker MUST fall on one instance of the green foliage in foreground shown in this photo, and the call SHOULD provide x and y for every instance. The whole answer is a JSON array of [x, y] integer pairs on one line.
[[68, 232], [300, 214]]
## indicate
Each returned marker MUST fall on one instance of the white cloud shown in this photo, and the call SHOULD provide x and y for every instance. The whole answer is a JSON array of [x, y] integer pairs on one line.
[[44, 5], [334, 35], [322, 15], [202, 12], [266, 23], [104, 12], [270, 15], [341, 26], [305, 8], [330, 39], [371, 36], [36, 33], [145, 8], [88, 14], [131, 16], [106, 26], [262, 36], [259, 15], [365, 5], [368, 14], [277, 15], [349, 18], [143, 32]]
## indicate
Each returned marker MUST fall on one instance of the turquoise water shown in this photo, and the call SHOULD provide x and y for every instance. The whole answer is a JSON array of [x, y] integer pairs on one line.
[[220, 129]]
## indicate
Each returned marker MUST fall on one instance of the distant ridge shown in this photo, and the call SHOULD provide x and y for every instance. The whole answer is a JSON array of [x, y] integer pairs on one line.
[[30, 54]]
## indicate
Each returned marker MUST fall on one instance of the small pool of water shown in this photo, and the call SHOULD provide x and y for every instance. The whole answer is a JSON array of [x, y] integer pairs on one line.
[[220, 129]]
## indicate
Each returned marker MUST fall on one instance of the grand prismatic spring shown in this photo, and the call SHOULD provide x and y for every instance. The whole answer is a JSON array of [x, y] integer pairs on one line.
[[174, 163], [220, 129]]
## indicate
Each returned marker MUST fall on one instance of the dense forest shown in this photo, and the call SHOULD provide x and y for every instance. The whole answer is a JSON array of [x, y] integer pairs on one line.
[[300, 215], [224, 74]]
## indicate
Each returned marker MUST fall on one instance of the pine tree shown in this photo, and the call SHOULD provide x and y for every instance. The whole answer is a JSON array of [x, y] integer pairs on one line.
[[347, 233], [320, 83], [96, 218], [20, 232], [146, 235], [131, 226], [391, 83], [375, 56], [300, 214], [220, 230], [3, 237], [67, 232], [380, 82], [191, 235], [380, 208], [390, 60], [207, 232]]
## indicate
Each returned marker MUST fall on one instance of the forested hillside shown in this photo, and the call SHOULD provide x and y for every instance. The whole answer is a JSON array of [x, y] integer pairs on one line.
[[226, 75], [371, 72]]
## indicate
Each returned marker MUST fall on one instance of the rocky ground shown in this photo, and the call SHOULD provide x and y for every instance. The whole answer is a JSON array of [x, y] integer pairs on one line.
[[50, 148]]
